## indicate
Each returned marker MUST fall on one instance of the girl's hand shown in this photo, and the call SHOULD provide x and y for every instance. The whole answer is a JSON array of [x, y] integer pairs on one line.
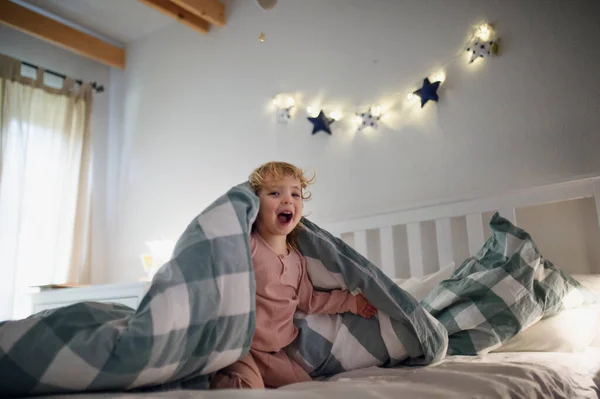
[[364, 307]]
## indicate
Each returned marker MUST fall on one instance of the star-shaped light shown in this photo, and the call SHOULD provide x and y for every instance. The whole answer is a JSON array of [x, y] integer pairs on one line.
[[369, 119], [428, 91], [321, 122], [480, 48]]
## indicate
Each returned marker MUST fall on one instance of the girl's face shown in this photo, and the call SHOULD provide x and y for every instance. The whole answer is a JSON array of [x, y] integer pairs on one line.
[[280, 206]]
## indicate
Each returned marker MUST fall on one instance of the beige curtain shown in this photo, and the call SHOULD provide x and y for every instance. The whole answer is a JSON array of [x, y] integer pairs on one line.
[[45, 169]]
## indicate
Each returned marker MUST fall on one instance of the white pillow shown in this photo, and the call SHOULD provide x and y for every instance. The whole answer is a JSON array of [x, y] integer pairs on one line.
[[419, 287], [589, 281], [572, 330], [592, 283]]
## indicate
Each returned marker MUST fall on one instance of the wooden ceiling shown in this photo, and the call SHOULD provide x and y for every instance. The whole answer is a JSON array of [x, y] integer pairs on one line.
[[199, 15]]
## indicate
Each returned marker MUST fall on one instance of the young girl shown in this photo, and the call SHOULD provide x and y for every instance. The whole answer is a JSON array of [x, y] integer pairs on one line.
[[282, 284]]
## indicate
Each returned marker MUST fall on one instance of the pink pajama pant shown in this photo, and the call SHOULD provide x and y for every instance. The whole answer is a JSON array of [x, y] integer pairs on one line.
[[260, 370]]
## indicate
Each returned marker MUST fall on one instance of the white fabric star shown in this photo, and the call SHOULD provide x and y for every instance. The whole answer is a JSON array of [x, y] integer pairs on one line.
[[480, 48], [284, 115], [369, 120]]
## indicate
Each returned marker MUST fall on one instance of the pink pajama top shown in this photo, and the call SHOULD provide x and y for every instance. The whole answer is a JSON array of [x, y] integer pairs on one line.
[[282, 287]]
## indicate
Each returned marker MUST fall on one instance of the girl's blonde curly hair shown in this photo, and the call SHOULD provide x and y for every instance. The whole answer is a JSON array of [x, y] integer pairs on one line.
[[269, 171], [278, 170]]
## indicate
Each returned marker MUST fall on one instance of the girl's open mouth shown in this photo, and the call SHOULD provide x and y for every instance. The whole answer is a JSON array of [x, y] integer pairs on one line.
[[285, 217]]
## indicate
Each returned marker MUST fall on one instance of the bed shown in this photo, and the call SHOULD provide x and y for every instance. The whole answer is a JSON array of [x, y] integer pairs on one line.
[[556, 357], [547, 375], [506, 375]]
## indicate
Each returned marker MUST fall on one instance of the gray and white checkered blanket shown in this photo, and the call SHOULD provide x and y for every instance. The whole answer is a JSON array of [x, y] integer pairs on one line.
[[198, 317], [505, 288]]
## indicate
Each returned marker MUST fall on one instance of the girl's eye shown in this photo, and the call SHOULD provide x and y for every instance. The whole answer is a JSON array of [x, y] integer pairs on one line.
[[296, 195], [274, 193]]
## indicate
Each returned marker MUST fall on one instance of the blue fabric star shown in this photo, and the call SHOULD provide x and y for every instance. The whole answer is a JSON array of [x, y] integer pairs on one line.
[[428, 91], [321, 122]]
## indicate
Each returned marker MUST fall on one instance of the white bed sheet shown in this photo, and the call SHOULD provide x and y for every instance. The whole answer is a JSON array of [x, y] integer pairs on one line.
[[497, 375]]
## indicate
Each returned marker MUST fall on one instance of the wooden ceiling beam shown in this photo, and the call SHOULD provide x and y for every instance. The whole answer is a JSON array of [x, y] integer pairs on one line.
[[180, 14], [212, 11], [59, 34]]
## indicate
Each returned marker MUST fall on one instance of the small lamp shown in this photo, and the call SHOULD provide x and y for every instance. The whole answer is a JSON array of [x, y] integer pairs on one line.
[[160, 253]]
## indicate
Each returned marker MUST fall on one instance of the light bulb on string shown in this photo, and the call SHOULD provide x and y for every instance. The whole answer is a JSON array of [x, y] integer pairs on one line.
[[312, 110], [336, 115], [439, 77], [484, 32]]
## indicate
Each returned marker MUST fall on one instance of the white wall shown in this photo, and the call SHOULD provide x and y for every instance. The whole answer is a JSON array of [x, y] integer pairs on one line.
[[573, 246], [195, 117], [29, 49]]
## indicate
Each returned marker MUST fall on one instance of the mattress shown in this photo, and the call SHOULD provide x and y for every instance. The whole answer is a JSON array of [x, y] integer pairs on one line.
[[497, 375]]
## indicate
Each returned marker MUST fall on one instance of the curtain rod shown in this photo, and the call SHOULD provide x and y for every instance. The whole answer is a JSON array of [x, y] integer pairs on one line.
[[97, 87]]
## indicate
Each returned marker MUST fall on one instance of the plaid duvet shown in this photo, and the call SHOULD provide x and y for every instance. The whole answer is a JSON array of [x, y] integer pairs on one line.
[[505, 288], [198, 317], [402, 333]]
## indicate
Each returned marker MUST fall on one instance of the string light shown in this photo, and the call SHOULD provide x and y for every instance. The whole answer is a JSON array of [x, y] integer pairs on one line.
[[484, 32], [439, 77], [336, 115], [483, 44], [311, 110], [283, 101]]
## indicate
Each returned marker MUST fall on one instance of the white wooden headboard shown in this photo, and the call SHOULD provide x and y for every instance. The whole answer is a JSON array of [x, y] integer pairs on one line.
[[356, 232]]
